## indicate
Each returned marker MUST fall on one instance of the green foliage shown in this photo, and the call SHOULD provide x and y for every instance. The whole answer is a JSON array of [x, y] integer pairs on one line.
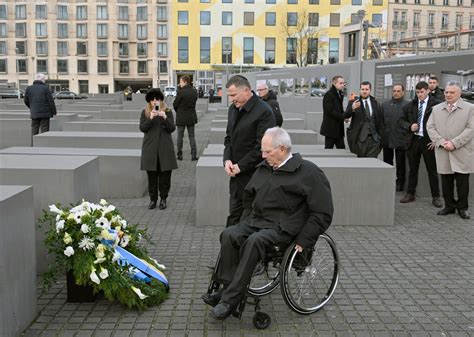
[[82, 239]]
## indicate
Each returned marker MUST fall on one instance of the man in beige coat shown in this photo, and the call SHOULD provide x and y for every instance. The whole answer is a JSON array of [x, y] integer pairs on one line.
[[451, 128]]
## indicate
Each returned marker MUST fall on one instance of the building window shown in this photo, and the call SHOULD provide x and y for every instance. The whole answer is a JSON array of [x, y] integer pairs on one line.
[[162, 49], [429, 43], [81, 30], [352, 45], [82, 66], [291, 50], [183, 17], [3, 47], [62, 48], [270, 19], [292, 2], [312, 56], [20, 29], [333, 51], [226, 1], [83, 86], [205, 52], [377, 2], [102, 67], [42, 66], [162, 13], [249, 1], [205, 1], [3, 29], [335, 2], [356, 2], [81, 48], [270, 50], [42, 48], [123, 67], [102, 49], [471, 40], [123, 31], [162, 31], [270, 2], [248, 18], [62, 66], [377, 20], [81, 12], [445, 2], [182, 0], [20, 48], [102, 13], [123, 49], [142, 49], [41, 12], [313, 19], [471, 22], [3, 66], [41, 30], [62, 30], [248, 50], [205, 18], [183, 49], [314, 2], [21, 66], [431, 2], [416, 19], [226, 50], [123, 13], [142, 31], [444, 21], [292, 19], [142, 13], [3, 12], [458, 20], [101, 30], [163, 67], [227, 18], [20, 12], [62, 12], [334, 19], [142, 67], [444, 42], [431, 20]]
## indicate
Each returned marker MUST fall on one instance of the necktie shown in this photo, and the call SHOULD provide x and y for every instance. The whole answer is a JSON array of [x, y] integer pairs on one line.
[[420, 112], [366, 107], [450, 107]]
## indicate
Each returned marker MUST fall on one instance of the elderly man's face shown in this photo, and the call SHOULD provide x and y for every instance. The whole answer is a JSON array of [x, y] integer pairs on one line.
[[273, 155], [239, 95], [262, 90], [452, 93]]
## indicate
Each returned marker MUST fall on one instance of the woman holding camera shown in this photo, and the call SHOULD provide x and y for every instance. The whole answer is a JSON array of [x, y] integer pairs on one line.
[[158, 157]]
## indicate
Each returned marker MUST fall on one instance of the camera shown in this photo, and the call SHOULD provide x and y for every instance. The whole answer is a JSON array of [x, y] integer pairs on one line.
[[356, 98], [157, 108]]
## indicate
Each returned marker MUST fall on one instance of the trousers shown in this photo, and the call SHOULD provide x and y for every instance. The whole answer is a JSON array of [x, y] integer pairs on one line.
[[192, 141]]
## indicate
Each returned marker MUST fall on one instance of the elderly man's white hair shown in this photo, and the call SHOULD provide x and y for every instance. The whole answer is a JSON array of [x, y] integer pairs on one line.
[[279, 137], [40, 77], [454, 84]]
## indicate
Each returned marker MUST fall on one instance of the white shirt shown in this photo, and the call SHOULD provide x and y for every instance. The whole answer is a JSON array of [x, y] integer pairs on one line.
[[284, 162]]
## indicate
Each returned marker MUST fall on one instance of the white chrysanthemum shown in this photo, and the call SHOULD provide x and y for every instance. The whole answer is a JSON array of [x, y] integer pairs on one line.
[[108, 209], [69, 251], [123, 222], [86, 243], [84, 228], [94, 207], [103, 222], [103, 202], [116, 256], [104, 273], [55, 209], [59, 226], [94, 278], [124, 241], [86, 205], [139, 293]]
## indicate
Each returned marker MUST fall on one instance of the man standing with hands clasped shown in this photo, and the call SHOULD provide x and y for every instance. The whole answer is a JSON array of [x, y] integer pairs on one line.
[[332, 127], [451, 127]]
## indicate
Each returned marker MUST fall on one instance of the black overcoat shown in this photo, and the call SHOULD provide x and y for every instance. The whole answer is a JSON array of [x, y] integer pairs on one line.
[[271, 99], [157, 142], [185, 106], [333, 114], [394, 136], [40, 101]]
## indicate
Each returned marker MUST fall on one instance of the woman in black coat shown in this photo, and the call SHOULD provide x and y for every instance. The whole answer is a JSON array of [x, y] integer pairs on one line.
[[158, 157]]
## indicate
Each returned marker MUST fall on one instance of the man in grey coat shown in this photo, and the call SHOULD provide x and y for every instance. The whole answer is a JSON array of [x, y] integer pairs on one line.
[[451, 128]]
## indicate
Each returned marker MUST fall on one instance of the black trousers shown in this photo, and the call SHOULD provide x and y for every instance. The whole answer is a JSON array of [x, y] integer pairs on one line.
[[400, 161], [236, 188], [242, 247], [39, 123], [462, 187], [329, 143], [369, 148], [418, 148], [192, 141], [158, 180]]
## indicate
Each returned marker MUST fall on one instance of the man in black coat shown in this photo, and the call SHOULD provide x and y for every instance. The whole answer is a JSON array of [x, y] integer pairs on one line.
[[415, 116], [364, 135], [287, 199], [332, 126], [247, 120], [39, 100], [395, 139], [185, 106], [271, 98], [435, 91]]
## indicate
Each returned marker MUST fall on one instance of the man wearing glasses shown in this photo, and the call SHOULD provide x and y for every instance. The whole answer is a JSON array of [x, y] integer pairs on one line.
[[271, 98]]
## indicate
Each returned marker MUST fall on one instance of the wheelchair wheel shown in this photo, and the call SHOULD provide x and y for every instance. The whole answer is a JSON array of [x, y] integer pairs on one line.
[[261, 320], [309, 279], [265, 279]]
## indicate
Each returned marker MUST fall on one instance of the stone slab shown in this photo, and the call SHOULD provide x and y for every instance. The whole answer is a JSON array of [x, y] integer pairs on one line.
[[293, 123], [83, 107], [119, 169], [102, 126], [308, 137], [121, 114], [18, 305], [105, 140], [68, 180], [219, 123], [15, 132]]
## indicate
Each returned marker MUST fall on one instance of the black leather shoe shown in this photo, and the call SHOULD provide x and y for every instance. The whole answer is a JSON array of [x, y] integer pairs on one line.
[[194, 158], [212, 299], [223, 310], [463, 213], [446, 211], [437, 202], [162, 204], [152, 205], [179, 156], [407, 198]]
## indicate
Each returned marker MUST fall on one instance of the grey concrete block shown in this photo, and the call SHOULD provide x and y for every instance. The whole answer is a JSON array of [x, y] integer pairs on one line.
[[102, 126], [293, 123], [219, 123], [93, 114], [61, 118], [18, 305], [121, 114], [105, 140], [313, 120], [297, 136], [83, 107], [15, 132], [119, 169], [68, 180]]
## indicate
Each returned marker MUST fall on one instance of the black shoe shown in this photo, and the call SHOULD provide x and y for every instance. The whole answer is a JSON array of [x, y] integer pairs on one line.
[[194, 158], [212, 299], [152, 205], [223, 310], [464, 214], [162, 204], [446, 211], [407, 198], [437, 202]]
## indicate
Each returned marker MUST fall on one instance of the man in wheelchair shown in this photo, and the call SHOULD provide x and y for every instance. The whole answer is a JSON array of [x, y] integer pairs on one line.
[[287, 199]]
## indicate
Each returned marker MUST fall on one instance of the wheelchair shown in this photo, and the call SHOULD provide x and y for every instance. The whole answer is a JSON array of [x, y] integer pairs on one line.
[[307, 280]]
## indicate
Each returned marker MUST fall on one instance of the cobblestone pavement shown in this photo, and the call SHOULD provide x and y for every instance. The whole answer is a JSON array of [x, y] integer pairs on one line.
[[415, 278]]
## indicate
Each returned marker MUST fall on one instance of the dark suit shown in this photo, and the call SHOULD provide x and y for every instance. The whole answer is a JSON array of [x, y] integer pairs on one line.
[[332, 126], [364, 135], [245, 129], [185, 107], [418, 146]]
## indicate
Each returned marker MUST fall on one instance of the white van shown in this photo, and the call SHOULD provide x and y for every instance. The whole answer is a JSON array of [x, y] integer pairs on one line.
[[170, 91]]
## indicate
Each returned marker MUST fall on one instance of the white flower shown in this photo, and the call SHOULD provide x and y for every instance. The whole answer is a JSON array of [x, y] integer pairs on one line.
[[55, 209], [99, 260], [59, 225], [123, 222], [106, 235], [139, 293], [67, 238], [108, 209], [93, 207], [124, 241], [78, 215], [104, 273], [103, 222], [94, 278], [116, 256], [84, 228], [86, 205], [70, 216], [76, 209], [69, 251], [103, 202], [86, 243], [160, 266]]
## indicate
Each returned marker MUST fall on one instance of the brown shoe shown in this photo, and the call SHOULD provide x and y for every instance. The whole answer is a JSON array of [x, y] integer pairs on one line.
[[407, 198], [437, 202]]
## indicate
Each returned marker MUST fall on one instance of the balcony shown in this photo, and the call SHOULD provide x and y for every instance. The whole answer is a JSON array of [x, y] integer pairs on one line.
[[399, 24]]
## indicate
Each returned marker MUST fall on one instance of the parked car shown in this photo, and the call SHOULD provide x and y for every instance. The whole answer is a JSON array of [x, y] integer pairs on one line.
[[11, 93], [170, 91], [68, 95], [318, 92]]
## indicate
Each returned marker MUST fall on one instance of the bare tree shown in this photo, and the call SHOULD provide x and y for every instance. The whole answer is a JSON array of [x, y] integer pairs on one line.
[[300, 28]]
